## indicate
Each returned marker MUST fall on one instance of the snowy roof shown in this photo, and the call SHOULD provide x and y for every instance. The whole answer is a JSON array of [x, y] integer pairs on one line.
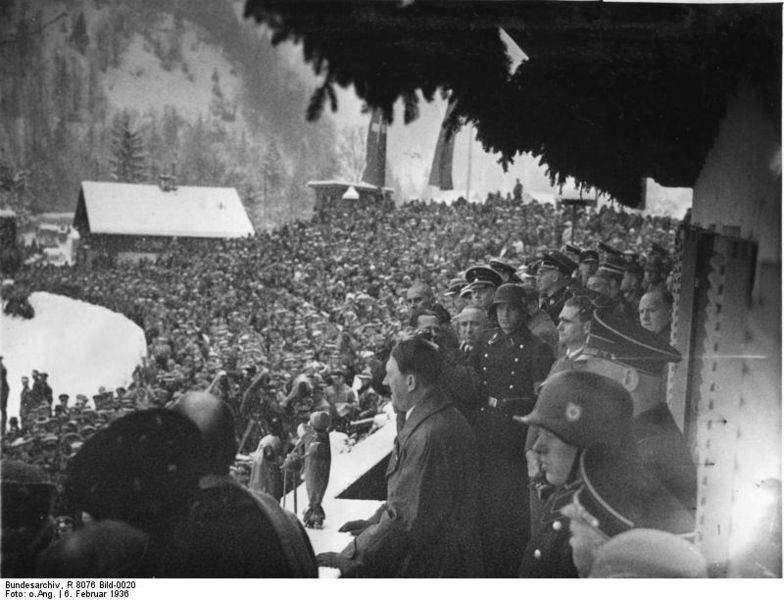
[[359, 186], [140, 209]]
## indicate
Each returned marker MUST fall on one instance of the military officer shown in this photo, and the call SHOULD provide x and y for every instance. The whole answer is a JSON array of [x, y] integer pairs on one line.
[[622, 350], [483, 281], [589, 263], [574, 323], [631, 285], [511, 361], [552, 280]]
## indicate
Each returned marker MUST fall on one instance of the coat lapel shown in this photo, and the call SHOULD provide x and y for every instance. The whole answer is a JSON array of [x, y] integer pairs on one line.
[[433, 403]]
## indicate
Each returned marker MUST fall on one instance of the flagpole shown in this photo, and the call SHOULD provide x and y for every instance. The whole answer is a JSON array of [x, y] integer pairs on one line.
[[468, 176]]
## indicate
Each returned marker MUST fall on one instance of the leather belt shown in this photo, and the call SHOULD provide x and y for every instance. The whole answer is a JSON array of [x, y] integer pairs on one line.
[[493, 402]]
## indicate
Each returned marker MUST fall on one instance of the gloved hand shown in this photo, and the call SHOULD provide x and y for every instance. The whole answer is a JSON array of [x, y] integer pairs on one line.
[[354, 527], [292, 462], [334, 560]]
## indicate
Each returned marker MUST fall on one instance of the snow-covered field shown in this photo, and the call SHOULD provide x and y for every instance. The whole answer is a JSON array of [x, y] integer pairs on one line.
[[80, 346]]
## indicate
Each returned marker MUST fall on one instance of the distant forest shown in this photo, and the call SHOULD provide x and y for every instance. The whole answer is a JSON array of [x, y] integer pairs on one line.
[[58, 128]]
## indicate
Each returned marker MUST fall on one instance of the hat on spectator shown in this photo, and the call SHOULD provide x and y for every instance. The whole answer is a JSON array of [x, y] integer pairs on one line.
[[140, 469], [589, 256], [583, 408], [625, 341], [557, 261], [455, 286], [508, 272], [484, 274], [648, 553], [630, 257], [621, 494], [610, 250], [613, 265], [598, 299], [510, 293]]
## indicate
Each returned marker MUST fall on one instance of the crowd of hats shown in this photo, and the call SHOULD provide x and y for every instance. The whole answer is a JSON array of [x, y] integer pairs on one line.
[[49, 438], [319, 295]]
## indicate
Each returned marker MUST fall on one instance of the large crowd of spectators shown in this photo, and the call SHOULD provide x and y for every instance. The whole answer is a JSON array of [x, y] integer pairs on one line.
[[296, 319], [324, 296]]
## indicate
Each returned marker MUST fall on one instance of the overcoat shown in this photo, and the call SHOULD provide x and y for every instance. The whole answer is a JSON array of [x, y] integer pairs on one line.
[[427, 527], [508, 366], [665, 452]]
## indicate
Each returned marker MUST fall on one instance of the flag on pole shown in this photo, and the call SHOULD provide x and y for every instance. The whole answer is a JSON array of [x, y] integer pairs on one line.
[[376, 158], [441, 171]]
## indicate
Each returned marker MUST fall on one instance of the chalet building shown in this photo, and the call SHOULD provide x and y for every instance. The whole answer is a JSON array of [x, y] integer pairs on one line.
[[331, 194], [128, 222]]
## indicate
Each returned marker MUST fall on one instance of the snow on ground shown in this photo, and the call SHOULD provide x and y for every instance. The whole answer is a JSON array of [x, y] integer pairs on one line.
[[80, 345]]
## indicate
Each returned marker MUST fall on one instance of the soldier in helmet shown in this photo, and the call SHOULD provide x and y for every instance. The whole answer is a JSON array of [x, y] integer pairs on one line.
[[573, 411], [510, 361]]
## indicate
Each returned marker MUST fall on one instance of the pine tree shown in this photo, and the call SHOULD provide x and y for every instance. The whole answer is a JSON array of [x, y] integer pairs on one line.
[[129, 162]]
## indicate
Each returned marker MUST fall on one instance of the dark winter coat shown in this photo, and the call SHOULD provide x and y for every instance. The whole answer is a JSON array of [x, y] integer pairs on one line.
[[665, 453], [553, 305], [508, 366], [548, 554], [426, 528]]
